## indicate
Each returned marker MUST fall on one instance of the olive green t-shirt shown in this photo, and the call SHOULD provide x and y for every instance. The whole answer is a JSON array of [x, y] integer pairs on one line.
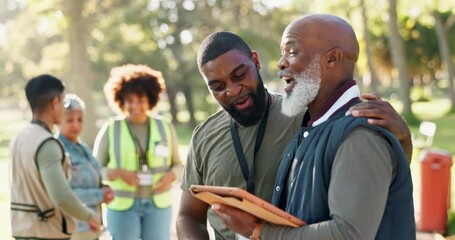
[[212, 158], [49, 160]]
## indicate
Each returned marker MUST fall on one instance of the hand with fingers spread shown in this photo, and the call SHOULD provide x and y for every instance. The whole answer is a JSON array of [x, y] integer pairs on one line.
[[381, 113]]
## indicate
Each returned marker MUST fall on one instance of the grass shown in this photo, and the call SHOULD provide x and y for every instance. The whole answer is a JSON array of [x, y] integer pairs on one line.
[[7, 130], [438, 112]]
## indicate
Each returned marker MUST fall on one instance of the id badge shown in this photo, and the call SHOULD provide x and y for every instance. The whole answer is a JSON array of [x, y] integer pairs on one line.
[[145, 178], [161, 150]]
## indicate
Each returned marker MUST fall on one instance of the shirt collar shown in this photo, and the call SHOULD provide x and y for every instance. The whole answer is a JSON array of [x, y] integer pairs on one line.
[[346, 94]]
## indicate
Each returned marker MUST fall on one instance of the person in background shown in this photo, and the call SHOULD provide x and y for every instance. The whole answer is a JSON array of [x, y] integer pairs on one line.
[[139, 153], [346, 178], [86, 171], [43, 206], [228, 149]]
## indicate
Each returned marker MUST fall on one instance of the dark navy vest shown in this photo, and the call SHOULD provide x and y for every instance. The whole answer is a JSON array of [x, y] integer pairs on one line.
[[308, 197]]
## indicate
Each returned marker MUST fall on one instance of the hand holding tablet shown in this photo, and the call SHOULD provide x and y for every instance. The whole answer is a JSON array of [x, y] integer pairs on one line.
[[241, 199]]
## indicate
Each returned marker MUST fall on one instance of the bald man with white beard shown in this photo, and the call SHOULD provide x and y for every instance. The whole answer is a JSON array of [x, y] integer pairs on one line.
[[345, 178]]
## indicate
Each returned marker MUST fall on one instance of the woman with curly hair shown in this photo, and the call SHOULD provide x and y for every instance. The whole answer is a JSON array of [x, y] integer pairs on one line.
[[139, 154]]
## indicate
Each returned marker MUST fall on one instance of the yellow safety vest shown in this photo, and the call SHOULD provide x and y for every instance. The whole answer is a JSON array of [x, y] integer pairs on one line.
[[123, 154]]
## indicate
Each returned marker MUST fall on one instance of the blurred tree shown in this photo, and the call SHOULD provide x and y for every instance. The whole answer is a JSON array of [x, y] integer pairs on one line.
[[30, 39], [81, 41], [399, 61], [368, 51], [80, 73], [442, 26], [181, 25]]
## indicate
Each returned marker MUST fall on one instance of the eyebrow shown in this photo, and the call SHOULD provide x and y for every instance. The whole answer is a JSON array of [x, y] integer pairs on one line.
[[233, 71], [289, 42]]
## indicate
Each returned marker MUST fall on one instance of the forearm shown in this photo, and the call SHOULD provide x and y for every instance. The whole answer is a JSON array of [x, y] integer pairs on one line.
[[60, 192], [192, 218], [328, 230], [89, 196], [111, 174], [189, 228]]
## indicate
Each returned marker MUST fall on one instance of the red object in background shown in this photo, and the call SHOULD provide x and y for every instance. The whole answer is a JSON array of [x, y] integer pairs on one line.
[[435, 192]]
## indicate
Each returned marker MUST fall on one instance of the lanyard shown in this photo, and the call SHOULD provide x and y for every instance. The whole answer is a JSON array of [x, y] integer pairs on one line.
[[42, 124], [141, 152], [249, 174]]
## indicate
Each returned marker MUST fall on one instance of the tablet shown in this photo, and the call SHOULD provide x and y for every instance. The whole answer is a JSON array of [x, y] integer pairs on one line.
[[241, 199]]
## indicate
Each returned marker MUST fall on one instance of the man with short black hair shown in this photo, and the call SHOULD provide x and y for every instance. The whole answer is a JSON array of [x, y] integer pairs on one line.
[[241, 145], [42, 203]]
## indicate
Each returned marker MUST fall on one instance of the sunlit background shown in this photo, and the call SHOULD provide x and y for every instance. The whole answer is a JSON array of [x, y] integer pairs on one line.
[[407, 56]]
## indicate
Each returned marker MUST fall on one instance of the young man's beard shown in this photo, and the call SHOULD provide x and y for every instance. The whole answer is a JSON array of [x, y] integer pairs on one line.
[[253, 114], [306, 88]]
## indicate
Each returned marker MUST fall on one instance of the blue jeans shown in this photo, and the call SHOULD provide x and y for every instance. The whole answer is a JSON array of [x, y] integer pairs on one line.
[[142, 221]]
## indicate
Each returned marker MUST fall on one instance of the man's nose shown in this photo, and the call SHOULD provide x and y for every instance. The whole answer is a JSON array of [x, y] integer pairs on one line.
[[234, 89], [282, 63]]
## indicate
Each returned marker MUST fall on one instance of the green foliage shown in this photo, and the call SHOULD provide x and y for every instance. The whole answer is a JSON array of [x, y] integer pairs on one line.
[[165, 35], [420, 94], [421, 48], [445, 132], [450, 223], [7, 131]]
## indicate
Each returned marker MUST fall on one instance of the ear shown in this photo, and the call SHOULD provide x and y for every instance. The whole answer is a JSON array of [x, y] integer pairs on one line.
[[55, 102], [333, 57], [255, 57]]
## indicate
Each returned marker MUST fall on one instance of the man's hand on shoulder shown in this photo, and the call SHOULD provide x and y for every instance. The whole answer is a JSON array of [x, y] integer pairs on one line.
[[382, 113]]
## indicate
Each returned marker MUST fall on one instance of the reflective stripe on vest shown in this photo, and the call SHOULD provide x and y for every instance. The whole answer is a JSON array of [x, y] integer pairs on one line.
[[121, 141], [42, 215], [117, 136]]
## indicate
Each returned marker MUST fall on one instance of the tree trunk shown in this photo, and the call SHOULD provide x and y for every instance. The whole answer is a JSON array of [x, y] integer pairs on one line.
[[373, 79], [444, 51], [399, 61], [189, 104], [80, 74], [177, 52], [171, 92]]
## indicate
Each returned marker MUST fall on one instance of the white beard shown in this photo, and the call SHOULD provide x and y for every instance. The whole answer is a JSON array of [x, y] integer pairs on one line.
[[305, 90]]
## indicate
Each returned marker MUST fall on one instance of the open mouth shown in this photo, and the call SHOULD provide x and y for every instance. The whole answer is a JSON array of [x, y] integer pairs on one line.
[[289, 83], [243, 102]]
